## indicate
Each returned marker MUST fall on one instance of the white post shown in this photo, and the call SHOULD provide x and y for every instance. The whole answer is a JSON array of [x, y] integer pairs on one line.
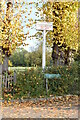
[[44, 26], [44, 50]]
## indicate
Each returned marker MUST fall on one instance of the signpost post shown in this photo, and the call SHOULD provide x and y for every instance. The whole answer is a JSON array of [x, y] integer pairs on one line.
[[44, 26]]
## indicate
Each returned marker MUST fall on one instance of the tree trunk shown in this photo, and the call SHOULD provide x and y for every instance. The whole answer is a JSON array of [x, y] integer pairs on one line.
[[0, 67], [60, 57], [0, 60], [67, 56], [5, 64], [55, 54]]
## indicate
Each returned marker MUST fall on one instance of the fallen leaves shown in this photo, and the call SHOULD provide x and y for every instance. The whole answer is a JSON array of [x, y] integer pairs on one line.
[[42, 109], [64, 101]]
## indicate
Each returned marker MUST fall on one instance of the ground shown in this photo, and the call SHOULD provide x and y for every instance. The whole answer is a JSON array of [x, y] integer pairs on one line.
[[57, 107]]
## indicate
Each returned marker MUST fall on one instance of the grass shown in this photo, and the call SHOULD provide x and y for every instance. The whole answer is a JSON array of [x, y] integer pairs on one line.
[[20, 68]]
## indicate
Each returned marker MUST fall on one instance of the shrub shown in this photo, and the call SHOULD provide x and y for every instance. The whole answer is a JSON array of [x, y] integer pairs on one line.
[[31, 82], [68, 83]]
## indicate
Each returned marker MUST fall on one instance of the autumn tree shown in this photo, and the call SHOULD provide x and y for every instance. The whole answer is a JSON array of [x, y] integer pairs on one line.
[[65, 30], [64, 37], [11, 28]]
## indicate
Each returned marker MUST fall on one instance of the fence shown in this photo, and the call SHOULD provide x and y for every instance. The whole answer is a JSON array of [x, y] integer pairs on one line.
[[7, 80]]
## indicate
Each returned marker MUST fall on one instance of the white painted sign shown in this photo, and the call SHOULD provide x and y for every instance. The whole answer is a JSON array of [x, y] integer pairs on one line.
[[44, 25]]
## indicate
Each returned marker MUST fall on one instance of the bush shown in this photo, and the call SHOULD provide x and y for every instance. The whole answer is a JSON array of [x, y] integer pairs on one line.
[[31, 82], [68, 83]]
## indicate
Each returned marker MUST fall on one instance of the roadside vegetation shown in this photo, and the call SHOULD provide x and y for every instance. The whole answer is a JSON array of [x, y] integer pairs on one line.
[[31, 83]]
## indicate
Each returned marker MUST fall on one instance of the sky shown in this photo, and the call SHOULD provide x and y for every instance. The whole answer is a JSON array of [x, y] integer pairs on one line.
[[33, 43]]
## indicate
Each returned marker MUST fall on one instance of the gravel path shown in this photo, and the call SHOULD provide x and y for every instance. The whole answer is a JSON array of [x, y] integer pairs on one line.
[[39, 112], [53, 108]]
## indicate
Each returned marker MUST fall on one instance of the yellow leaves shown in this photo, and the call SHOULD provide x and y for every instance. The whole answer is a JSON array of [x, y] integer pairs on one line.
[[30, 2], [30, 19], [30, 11], [56, 42], [12, 21], [5, 102], [25, 16], [28, 32], [64, 21], [9, 63], [56, 12]]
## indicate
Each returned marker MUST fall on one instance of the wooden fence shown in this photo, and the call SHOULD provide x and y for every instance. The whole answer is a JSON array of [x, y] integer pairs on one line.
[[7, 80]]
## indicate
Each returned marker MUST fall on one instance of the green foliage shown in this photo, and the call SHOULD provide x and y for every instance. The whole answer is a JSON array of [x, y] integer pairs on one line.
[[30, 84], [77, 59], [22, 57], [68, 83], [18, 57]]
